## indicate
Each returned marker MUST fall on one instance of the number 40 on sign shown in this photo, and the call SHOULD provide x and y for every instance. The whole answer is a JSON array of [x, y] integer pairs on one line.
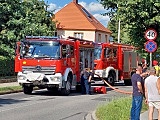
[[151, 34]]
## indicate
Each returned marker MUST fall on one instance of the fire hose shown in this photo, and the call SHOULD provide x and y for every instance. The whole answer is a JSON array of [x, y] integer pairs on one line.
[[115, 89]]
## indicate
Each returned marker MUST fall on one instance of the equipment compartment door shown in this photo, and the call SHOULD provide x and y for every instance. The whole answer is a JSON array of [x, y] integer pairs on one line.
[[126, 61], [86, 58]]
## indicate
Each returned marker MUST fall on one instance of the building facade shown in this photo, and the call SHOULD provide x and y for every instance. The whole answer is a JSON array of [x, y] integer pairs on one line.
[[75, 21]]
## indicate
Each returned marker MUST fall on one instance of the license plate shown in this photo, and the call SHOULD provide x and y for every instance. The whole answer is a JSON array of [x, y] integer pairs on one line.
[[36, 82]]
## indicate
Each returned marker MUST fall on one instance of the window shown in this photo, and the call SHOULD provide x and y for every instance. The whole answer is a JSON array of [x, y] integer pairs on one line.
[[114, 52], [107, 52], [55, 33], [86, 12], [78, 35], [99, 37], [72, 51], [106, 38], [67, 51], [64, 51], [97, 52]]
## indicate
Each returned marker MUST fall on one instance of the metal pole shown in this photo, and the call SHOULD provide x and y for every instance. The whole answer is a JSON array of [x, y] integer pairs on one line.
[[150, 59], [119, 25]]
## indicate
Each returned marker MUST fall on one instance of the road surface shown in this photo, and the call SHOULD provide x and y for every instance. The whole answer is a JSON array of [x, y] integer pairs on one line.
[[43, 105]]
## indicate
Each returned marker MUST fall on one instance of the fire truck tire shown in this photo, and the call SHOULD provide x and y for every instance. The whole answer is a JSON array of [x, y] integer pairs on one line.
[[27, 89], [67, 89], [110, 79]]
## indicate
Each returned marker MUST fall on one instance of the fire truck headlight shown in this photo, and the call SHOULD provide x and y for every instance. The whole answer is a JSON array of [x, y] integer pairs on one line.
[[56, 79], [21, 77]]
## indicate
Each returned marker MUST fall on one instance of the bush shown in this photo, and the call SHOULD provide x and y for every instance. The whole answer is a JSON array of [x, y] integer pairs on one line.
[[118, 109], [6, 66]]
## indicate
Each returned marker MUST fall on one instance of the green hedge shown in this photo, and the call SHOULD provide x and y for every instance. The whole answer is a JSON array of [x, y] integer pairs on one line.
[[6, 66]]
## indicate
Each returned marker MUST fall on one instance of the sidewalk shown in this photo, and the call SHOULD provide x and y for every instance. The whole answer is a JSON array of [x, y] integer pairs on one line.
[[144, 116], [9, 84]]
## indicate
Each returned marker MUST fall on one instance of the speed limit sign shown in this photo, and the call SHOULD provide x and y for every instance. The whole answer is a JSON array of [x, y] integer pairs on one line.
[[151, 34]]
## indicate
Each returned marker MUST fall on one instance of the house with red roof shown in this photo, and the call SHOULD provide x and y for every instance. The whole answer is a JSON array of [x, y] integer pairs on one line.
[[75, 21]]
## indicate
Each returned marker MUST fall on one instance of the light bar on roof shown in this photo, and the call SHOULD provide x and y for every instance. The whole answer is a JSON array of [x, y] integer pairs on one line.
[[43, 37]]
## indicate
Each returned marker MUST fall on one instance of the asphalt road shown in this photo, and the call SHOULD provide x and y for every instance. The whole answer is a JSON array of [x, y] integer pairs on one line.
[[43, 105]]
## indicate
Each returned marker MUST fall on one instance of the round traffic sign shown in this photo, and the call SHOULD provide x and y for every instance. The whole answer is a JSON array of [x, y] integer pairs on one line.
[[151, 46], [151, 34]]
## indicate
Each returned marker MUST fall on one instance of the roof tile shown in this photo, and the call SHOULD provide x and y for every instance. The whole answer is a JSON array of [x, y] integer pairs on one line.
[[74, 16]]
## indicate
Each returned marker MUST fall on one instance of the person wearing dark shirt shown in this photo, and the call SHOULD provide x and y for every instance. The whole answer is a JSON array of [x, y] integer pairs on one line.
[[137, 97], [86, 81]]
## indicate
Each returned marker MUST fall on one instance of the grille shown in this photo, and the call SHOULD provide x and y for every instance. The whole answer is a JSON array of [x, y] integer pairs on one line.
[[39, 69]]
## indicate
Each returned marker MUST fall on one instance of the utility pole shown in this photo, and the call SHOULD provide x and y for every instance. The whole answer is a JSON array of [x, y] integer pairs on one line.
[[119, 25], [119, 30]]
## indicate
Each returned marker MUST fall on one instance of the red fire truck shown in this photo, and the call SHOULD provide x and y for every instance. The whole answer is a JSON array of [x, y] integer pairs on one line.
[[115, 62], [52, 63]]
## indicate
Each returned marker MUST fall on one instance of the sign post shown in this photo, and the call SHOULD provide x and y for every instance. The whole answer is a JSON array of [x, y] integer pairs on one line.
[[150, 62], [150, 45]]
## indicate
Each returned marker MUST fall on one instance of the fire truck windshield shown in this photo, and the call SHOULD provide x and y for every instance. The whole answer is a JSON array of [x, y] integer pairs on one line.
[[97, 52], [40, 49]]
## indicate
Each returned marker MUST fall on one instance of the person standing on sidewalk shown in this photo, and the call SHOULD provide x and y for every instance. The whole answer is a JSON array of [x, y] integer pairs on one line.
[[152, 93], [138, 92]]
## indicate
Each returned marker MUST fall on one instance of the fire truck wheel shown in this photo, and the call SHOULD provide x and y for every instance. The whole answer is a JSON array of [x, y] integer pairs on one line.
[[67, 89], [110, 79], [27, 89]]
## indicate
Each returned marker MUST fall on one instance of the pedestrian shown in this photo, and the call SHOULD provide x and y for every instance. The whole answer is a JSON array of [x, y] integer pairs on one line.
[[83, 89], [156, 66], [152, 93], [137, 97], [144, 68], [86, 81]]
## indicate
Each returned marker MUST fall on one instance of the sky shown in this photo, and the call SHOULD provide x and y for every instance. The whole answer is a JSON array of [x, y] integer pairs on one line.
[[93, 6]]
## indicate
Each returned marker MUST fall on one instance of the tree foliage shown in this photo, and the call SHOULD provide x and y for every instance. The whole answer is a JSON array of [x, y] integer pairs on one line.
[[136, 17], [20, 18]]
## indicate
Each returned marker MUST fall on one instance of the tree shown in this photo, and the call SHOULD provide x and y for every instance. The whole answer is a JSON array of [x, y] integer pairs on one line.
[[22, 18], [136, 17]]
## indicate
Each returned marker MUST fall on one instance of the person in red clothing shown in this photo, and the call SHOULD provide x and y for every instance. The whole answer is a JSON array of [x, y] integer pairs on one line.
[[156, 66]]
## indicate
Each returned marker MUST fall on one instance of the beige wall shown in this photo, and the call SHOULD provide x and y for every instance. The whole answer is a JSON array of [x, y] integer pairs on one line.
[[103, 37], [87, 35]]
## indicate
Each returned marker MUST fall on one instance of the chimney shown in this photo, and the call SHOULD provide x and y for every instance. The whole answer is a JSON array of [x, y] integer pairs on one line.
[[75, 1]]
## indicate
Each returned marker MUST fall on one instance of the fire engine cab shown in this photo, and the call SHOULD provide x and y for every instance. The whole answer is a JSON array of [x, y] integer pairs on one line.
[[52, 63], [115, 62]]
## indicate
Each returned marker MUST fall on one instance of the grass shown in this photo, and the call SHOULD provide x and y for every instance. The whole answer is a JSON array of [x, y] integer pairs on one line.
[[118, 109], [10, 89]]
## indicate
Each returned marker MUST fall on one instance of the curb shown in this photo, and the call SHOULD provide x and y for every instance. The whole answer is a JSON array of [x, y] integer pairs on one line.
[[91, 116], [14, 91], [9, 92], [8, 80]]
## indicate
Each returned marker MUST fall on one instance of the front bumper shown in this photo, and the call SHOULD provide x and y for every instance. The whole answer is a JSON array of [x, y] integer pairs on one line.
[[39, 79], [98, 72]]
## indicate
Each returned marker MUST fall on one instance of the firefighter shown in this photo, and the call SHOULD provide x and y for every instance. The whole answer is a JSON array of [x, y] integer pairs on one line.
[[86, 81]]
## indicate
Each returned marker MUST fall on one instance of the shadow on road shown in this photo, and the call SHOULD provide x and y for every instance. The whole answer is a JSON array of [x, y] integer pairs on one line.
[[44, 92], [9, 101]]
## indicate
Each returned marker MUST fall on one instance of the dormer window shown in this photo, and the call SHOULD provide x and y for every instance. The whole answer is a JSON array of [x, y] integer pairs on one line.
[[86, 12]]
